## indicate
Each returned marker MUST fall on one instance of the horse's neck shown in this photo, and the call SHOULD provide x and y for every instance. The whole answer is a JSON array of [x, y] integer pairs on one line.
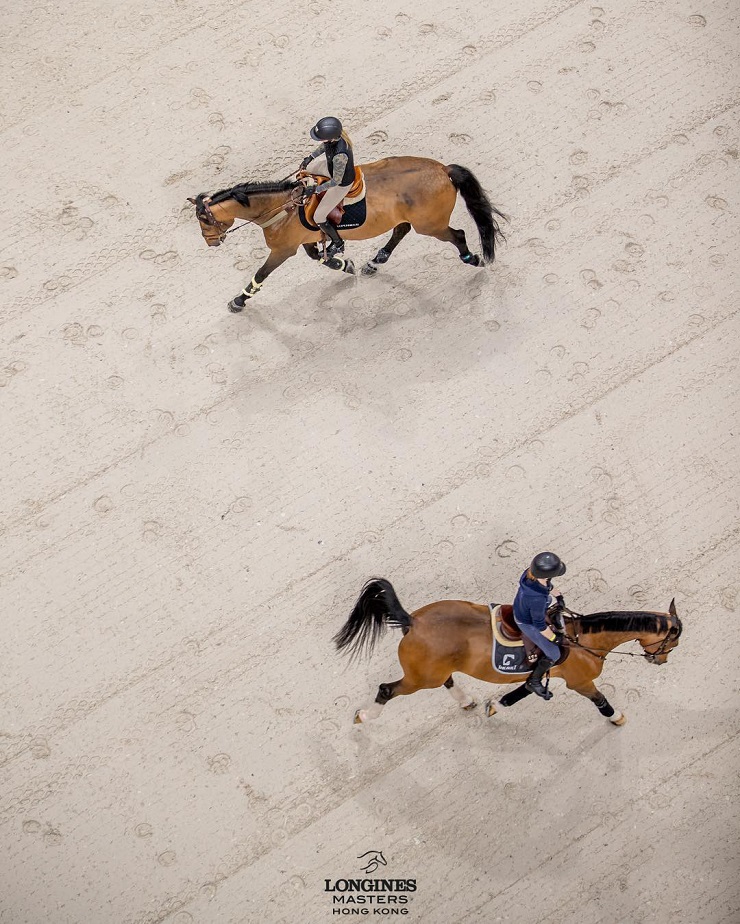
[[262, 204], [606, 641]]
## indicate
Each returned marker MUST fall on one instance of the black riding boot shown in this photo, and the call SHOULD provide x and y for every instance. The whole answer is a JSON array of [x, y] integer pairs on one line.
[[337, 244], [534, 684]]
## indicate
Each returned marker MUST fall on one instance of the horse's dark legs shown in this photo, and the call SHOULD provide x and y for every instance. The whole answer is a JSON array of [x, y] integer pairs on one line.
[[591, 692], [386, 692], [463, 699], [383, 255], [275, 259], [509, 699], [336, 263], [456, 237]]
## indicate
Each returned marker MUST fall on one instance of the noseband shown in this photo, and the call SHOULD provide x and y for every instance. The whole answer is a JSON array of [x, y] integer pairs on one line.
[[652, 656], [205, 215]]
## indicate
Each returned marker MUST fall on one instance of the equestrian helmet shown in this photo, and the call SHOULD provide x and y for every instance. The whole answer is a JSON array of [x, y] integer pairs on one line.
[[327, 129], [547, 565]]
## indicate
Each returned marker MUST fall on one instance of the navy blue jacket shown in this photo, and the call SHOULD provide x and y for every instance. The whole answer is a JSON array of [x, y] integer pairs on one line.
[[530, 603]]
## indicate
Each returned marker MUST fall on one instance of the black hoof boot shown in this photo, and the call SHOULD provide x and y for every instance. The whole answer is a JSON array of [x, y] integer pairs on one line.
[[371, 267], [382, 256], [534, 684], [472, 259], [237, 304], [341, 263]]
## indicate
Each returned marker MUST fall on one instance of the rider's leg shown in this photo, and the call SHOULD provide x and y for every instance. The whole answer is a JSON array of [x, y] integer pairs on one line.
[[331, 198], [550, 654]]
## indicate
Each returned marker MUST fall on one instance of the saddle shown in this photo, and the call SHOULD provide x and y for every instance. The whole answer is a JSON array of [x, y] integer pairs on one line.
[[509, 634], [356, 194]]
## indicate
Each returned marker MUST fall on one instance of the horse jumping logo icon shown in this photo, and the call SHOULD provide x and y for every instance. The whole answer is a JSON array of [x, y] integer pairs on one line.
[[372, 859]]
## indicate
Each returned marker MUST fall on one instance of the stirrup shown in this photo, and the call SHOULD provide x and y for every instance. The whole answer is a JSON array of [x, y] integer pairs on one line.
[[333, 248]]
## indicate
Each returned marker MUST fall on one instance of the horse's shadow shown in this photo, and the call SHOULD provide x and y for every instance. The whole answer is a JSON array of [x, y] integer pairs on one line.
[[533, 809]]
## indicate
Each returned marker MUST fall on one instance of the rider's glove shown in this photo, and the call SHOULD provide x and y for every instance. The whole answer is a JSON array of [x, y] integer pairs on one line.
[[308, 191], [305, 162]]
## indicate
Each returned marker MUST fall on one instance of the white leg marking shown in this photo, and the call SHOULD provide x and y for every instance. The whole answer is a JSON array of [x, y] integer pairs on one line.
[[460, 696], [372, 712]]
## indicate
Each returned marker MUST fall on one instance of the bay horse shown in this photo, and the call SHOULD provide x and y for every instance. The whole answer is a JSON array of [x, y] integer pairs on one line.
[[401, 193], [454, 635]]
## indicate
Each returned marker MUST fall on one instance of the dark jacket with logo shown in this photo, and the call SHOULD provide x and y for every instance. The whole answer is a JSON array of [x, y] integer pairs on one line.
[[530, 603]]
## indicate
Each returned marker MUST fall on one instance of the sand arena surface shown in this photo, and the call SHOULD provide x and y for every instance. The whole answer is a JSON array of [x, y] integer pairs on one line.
[[191, 500]]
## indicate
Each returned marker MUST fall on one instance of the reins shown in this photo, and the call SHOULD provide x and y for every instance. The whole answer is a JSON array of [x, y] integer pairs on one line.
[[283, 207]]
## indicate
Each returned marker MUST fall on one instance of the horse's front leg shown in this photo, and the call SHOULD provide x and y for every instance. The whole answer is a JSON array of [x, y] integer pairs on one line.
[[335, 263], [274, 260], [590, 691], [383, 255]]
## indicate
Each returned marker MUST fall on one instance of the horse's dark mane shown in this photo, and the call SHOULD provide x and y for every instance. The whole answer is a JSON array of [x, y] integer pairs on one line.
[[628, 621], [242, 191]]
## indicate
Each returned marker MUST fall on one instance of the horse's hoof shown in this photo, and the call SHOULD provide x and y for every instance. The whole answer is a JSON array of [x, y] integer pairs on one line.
[[472, 259], [358, 720], [349, 267], [369, 269], [618, 720], [471, 705], [490, 708], [381, 257], [234, 308]]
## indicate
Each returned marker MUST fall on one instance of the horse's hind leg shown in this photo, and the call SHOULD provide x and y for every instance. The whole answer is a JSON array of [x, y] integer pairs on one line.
[[383, 255], [509, 699], [591, 692], [409, 683], [386, 692], [464, 699], [457, 237]]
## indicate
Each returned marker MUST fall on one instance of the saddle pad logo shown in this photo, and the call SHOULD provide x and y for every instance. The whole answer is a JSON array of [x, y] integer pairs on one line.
[[510, 660]]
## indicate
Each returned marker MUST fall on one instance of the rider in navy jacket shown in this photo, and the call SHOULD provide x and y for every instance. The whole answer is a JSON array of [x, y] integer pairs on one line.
[[530, 606], [530, 603]]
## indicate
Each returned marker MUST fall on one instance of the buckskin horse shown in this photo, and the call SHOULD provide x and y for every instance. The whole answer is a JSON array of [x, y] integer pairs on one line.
[[454, 635], [401, 193]]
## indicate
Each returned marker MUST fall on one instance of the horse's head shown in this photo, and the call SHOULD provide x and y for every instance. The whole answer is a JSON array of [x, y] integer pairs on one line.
[[213, 230], [658, 645]]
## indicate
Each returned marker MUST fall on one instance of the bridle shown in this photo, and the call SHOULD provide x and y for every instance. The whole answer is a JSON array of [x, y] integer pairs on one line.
[[206, 217], [204, 213], [650, 656]]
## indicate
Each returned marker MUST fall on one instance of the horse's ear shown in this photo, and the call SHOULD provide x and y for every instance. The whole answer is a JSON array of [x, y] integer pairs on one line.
[[672, 607], [192, 201]]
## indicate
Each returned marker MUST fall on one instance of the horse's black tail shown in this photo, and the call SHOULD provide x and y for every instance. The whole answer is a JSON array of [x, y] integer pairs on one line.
[[480, 208], [377, 607]]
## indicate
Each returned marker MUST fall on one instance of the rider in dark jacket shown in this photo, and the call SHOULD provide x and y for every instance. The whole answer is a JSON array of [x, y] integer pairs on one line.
[[530, 605], [340, 163]]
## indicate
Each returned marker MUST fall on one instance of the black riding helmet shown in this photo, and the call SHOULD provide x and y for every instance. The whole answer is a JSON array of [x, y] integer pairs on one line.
[[326, 129], [547, 565]]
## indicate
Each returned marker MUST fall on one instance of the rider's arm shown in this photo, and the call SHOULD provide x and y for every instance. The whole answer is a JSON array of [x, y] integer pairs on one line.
[[312, 156], [340, 165], [537, 610]]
